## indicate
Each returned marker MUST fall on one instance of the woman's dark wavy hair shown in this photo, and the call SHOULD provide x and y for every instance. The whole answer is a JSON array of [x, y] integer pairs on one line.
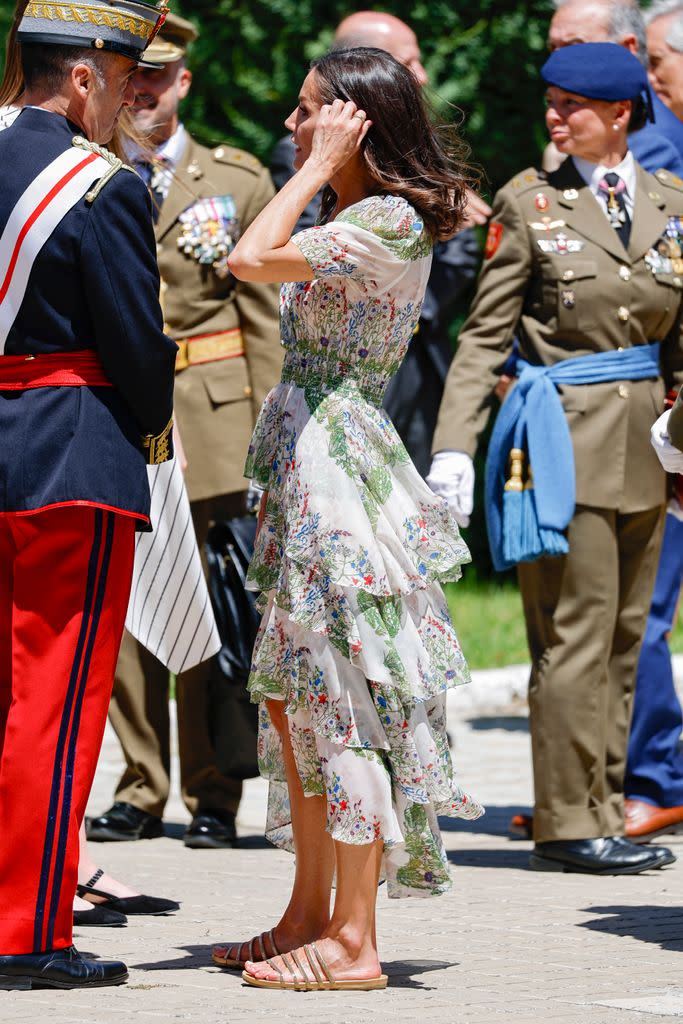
[[405, 153]]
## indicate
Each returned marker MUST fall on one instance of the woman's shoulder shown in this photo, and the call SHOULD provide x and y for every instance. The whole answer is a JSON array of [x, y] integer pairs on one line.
[[393, 221]]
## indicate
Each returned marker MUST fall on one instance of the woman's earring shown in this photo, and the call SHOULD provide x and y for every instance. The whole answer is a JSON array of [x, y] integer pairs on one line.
[[615, 127]]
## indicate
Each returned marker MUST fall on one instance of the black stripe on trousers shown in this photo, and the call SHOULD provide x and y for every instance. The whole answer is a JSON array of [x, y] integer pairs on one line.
[[73, 738], [90, 589]]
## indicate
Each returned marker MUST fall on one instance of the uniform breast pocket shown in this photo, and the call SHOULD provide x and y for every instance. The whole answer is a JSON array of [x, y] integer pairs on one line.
[[573, 283]]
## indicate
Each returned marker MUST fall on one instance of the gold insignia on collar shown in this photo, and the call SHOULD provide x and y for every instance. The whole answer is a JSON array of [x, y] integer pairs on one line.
[[195, 171], [654, 195]]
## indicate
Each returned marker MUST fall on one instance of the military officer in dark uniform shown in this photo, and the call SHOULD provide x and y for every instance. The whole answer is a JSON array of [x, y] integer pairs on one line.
[[585, 265], [229, 358], [86, 386]]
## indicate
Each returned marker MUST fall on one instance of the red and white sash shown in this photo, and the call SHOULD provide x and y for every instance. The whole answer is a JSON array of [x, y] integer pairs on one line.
[[41, 208]]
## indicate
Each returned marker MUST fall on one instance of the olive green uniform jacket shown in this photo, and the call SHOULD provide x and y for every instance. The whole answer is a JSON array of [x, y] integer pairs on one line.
[[562, 303], [216, 403]]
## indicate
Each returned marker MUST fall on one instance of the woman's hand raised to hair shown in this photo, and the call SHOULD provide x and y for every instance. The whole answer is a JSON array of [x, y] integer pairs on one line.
[[338, 134]]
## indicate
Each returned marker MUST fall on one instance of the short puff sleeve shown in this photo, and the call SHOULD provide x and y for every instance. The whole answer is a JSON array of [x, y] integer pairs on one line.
[[366, 241]]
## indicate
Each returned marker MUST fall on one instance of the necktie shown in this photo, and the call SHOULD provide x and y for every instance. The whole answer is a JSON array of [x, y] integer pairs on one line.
[[154, 174], [613, 188]]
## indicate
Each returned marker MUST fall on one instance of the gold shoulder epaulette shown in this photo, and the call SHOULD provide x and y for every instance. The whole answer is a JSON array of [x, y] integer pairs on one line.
[[115, 165], [237, 157], [157, 447], [529, 178], [667, 178]]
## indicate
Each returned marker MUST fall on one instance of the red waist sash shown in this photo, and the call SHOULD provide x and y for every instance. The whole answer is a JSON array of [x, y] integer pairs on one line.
[[52, 370]]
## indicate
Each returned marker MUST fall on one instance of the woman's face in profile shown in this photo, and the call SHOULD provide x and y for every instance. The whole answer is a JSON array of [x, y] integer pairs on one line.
[[303, 119]]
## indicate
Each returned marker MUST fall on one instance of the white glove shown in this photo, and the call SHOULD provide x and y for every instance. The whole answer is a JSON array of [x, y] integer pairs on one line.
[[451, 476], [669, 456]]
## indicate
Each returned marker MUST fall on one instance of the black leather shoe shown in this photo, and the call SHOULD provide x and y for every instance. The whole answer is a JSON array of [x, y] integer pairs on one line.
[[612, 855], [124, 823], [59, 968], [663, 853], [99, 917], [211, 829]]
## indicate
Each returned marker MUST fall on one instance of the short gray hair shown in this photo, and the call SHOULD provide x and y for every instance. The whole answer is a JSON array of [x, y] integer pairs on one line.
[[662, 8], [624, 18], [46, 67]]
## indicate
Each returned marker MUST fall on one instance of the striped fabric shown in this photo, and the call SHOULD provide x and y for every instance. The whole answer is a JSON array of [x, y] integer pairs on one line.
[[170, 611]]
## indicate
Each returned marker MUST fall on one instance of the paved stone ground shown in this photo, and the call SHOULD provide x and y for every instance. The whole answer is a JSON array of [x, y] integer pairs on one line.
[[506, 945]]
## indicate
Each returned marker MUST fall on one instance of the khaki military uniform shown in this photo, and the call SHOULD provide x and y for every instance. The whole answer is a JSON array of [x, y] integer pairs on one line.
[[229, 358], [558, 277]]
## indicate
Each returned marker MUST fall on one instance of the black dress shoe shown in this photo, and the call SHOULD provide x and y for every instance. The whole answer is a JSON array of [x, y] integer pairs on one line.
[[99, 917], [664, 855], [211, 830], [59, 968], [607, 856], [124, 823]]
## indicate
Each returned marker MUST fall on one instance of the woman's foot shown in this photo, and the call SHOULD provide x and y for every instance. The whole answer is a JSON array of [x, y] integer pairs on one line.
[[280, 939], [107, 884], [345, 960]]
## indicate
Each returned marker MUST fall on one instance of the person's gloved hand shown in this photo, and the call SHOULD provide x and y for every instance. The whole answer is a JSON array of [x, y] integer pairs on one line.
[[451, 476], [670, 457]]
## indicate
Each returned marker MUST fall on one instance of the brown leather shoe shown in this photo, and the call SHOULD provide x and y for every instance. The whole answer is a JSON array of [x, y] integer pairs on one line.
[[645, 821], [521, 826]]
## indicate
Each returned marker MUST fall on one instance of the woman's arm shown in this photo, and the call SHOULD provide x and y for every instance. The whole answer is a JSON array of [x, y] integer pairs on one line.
[[264, 252]]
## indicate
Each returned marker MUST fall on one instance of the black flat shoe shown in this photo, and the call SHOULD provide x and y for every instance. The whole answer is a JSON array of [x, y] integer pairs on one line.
[[153, 905], [59, 968], [99, 917], [211, 830], [612, 855], [123, 823]]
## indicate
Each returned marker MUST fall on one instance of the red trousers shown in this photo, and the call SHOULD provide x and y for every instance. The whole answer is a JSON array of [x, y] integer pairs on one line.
[[65, 578]]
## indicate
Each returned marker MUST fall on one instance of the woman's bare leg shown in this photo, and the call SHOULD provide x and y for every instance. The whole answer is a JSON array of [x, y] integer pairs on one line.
[[308, 911], [348, 944], [87, 868]]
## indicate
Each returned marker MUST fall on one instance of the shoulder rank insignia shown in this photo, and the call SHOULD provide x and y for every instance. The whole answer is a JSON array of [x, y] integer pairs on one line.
[[561, 245], [210, 230], [493, 239], [238, 158], [116, 165]]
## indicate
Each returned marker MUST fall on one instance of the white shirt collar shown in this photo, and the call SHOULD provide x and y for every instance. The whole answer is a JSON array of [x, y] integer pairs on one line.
[[172, 150], [593, 174]]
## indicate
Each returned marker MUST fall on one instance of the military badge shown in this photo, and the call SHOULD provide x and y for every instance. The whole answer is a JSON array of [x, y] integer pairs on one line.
[[546, 224], [210, 232], [568, 299], [560, 245], [541, 202], [495, 233]]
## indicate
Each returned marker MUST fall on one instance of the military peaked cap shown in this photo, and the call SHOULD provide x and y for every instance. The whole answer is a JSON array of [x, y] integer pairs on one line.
[[172, 41], [121, 26]]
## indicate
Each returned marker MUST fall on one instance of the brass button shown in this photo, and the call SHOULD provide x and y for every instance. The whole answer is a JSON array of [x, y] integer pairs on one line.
[[623, 313], [678, 281], [620, 349], [568, 275], [624, 273], [248, 392], [219, 153], [623, 391]]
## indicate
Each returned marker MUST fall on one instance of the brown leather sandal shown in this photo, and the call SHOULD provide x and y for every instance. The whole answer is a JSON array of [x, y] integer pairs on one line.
[[299, 981], [219, 954]]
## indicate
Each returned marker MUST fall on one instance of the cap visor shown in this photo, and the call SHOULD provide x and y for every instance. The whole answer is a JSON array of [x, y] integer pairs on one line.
[[150, 64]]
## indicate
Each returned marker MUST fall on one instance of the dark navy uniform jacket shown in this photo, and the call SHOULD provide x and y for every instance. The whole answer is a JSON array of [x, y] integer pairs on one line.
[[94, 285]]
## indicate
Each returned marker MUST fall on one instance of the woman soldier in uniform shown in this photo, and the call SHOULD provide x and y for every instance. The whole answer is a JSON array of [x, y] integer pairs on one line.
[[585, 267]]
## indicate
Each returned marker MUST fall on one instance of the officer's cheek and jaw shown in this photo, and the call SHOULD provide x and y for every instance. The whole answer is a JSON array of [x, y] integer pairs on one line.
[[96, 101]]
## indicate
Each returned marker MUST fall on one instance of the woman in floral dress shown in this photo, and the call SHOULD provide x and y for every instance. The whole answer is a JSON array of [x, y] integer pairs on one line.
[[356, 650]]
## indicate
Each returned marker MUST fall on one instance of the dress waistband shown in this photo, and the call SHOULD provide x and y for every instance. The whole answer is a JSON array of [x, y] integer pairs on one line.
[[321, 378], [52, 370]]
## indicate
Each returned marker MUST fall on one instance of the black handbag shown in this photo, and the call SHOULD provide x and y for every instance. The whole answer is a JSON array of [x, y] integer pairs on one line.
[[233, 721]]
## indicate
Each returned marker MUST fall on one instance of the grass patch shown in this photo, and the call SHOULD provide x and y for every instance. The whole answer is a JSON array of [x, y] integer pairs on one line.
[[489, 621]]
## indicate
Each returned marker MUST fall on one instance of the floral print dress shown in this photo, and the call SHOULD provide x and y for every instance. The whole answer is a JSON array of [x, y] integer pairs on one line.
[[356, 638]]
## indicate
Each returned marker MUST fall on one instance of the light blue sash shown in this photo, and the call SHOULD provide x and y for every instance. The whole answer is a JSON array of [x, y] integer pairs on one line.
[[532, 419]]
